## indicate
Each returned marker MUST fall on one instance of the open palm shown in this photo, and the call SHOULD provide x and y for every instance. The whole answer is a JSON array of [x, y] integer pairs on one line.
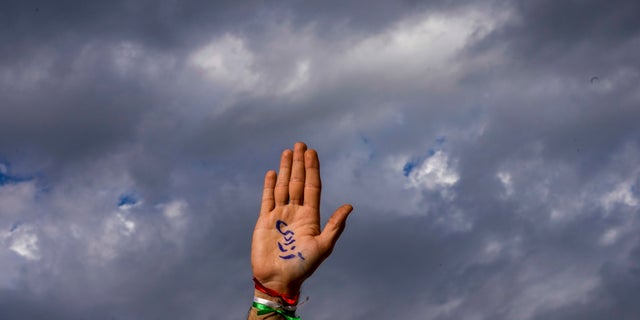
[[288, 245]]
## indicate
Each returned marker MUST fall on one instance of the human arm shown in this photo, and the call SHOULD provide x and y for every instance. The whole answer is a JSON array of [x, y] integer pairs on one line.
[[288, 244]]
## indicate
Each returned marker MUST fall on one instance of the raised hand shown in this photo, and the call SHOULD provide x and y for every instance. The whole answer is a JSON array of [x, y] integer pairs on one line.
[[288, 245]]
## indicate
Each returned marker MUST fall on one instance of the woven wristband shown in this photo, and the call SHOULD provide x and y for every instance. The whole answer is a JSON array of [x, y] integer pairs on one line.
[[289, 300], [265, 309]]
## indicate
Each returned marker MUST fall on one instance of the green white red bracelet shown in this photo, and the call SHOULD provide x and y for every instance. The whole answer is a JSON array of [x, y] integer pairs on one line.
[[265, 306], [274, 305]]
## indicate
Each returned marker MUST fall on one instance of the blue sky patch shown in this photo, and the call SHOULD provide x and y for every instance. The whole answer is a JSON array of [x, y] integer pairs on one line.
[[15, 226], [408, 167], [6, 178], [127, 200]]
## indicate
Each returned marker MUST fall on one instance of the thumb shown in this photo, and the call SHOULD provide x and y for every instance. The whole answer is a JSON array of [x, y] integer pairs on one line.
[[334, 227]]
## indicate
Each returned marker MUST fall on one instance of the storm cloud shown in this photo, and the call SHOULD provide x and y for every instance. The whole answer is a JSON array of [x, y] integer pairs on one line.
[[490, 149]]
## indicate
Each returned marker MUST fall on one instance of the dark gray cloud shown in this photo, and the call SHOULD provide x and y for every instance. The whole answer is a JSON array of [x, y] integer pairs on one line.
[[520, 201]]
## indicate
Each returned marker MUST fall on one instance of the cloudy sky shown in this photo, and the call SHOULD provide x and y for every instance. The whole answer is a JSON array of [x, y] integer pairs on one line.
[[491, 150]]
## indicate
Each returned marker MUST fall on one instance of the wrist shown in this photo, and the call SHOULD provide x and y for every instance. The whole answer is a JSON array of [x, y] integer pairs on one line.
[[285, 288], [262, 295], [286, 294]]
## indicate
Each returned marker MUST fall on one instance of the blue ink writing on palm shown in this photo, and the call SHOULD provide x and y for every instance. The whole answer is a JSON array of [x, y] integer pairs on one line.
[[287, 244]]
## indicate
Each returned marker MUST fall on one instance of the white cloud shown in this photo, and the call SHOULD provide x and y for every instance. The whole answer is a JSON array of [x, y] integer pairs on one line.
[[126, 56], [455, 220], [421, 51], [424, 48], [610, 236], [128, 206], [505, 179], [115, 232], [126, 226], [20, 78], [500, 248], [541, 291], [130, 58], [444, 310], [620, 195], [16, 199], [300, 77], [174, 210], [23, 241], [434, 173], [175, 214], [228, 63]]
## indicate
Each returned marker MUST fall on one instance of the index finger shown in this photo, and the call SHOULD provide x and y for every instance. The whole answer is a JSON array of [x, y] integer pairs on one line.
[[268, 199], [282, 183]]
